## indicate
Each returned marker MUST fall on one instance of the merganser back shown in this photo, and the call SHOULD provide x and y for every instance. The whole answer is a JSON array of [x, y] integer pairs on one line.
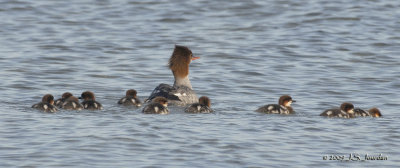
[[284, 106], [89, 101], [130, 99], [204, 106], [346, 111], [47, 104], [181, 93]]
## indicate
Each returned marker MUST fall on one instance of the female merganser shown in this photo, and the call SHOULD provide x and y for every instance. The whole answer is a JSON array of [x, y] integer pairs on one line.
[[204, 106], [72, 103], [47, 104], [130, 99], [346, 111], [159, 105], [61, 100], [89, 101], [373, 112], [181, 93], [284, 106]]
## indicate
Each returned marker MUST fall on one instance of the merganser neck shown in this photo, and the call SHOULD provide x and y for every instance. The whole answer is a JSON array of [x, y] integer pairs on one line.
[[182, 81]]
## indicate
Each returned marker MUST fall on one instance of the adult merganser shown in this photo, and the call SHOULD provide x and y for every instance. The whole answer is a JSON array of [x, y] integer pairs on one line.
[[72, 103], [89, 101], [61, 100], [284, 106], [47, 104], [204, 106], [159, 105], [130, 99], [346, 111], [181, 93], [373, 112]]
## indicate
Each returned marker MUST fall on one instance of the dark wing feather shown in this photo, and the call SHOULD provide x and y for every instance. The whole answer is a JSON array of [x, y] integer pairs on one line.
[[163, 90]]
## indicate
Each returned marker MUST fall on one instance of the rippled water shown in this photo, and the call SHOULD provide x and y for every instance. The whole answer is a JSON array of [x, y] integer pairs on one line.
[[320, 52]]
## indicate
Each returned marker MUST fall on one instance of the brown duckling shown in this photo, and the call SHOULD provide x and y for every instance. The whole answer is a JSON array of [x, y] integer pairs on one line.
[[283, 106]]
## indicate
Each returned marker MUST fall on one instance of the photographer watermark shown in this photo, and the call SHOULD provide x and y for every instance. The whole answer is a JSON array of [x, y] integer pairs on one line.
[[355, 157]]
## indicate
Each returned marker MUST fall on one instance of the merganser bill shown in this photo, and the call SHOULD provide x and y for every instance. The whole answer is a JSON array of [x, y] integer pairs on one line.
[[130, 99], [159, 105], [283, 106], [346, 111], [204, 106], [89, 101], [47, 104], [181, 93]]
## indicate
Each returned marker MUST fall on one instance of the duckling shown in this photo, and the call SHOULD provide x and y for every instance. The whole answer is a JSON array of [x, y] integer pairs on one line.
[[89, 101], [373, 112], [72, 103], [47, 104], [61, 100], [130, 99], [159, 105], [204, 106], [346, 111], [284, 106]]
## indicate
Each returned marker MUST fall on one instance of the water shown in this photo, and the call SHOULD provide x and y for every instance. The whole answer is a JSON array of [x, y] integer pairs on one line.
[[322, 53]]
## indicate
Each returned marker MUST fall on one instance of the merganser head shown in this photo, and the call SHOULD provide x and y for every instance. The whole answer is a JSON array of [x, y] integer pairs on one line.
[[375, 112], [286, 100], [48, 98], [131, 93], [88, 95], [347, 107], [66, 95], [204, 100], [162, 100], [180, 60]]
